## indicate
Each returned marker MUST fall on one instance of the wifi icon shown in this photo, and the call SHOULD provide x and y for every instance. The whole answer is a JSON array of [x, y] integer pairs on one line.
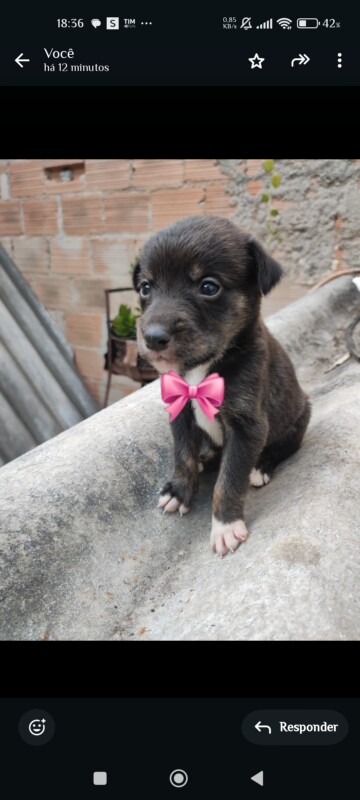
[[284, 22]]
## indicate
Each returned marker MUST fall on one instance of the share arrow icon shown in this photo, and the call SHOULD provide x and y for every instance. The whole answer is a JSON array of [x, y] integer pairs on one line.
[[303, 59]]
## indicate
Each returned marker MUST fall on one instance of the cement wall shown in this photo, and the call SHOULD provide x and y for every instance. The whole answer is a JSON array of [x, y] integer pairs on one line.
[[317, 229]]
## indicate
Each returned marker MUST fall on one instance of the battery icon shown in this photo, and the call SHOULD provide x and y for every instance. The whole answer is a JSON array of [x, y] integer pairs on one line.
[[308, 22]]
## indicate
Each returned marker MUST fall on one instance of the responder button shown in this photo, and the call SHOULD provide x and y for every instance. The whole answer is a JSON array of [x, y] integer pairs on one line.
[[294, 726]]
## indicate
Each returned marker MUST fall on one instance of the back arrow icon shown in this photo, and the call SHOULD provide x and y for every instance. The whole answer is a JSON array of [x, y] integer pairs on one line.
[[303, 59], [258, 727], [20, 58]]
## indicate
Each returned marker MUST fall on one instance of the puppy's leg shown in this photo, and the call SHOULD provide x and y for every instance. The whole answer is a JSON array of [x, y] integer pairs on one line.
[[177, 493], [241, 451], [282, 448]]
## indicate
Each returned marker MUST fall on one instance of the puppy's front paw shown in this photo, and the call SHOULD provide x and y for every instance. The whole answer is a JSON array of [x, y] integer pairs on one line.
[[227, 536], [172, 498], [258, 478]]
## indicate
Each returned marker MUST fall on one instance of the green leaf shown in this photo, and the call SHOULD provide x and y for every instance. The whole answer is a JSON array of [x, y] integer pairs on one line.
[[124, 323], [274, 212], [269, 165], [265, 197], [276, 180]]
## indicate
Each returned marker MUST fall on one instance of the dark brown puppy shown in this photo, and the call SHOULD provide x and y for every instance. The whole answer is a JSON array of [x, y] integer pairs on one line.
[[200, 283]]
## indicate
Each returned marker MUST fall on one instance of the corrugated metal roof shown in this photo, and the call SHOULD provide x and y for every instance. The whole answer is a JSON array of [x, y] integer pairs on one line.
[[41, 392]]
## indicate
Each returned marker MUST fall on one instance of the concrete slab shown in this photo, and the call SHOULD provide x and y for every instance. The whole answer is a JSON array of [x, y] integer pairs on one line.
[[87, 555]]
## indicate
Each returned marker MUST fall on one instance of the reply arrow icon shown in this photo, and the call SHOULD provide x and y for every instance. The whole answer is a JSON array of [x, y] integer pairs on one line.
[[258, 727], [20, 59], [303, 59]]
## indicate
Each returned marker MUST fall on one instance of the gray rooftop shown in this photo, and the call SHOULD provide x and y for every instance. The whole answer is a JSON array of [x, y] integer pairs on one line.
[[41, 392], [87, 555]]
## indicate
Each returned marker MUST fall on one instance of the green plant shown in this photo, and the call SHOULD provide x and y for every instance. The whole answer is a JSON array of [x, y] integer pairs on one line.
[[273, 180], [124, 323]]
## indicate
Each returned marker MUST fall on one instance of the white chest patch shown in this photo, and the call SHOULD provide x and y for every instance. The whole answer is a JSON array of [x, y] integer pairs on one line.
[[212, 428]]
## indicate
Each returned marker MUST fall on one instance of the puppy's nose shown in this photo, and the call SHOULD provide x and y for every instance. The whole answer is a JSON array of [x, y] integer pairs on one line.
[[156, 337]]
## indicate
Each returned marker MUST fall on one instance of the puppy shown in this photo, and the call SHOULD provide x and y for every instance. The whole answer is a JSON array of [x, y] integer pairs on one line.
[[200, 283]]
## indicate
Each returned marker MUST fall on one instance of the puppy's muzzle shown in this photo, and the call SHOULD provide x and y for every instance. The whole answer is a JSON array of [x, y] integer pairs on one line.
[[156, 337]]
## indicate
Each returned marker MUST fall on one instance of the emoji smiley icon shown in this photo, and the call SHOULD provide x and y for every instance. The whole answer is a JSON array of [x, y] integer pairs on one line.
[[37, 726]]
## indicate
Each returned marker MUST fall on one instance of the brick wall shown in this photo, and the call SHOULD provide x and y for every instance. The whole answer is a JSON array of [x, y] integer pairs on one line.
[[74, 226]]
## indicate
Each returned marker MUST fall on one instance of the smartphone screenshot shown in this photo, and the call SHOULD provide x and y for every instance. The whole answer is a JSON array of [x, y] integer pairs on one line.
[[119, 747], [228, 45], [179, 401]]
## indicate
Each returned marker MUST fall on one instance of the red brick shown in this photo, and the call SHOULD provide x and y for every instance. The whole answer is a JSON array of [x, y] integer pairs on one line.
[[128, 212], [53, 292], [58, 316], [82, 214], [339, 223], [40, 216], [31, 178], [27, 178], [96, 389], [254, 187], [57, 177], [281, 205], [202, 169], [338, 257], [70, 256], [89, 362], [255, 168], [120, 387], [89, 293], [31, 255], [172, 204], [217, 201], [153, 173], [7, 244], [114, 256], [85, 329], [106, 174], [61, 162], [10, 223]]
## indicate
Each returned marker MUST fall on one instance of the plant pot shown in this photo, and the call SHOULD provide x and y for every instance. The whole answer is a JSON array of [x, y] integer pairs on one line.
[[126, 360]]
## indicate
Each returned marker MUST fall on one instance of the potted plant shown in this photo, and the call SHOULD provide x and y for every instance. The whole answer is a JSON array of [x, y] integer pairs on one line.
[[125, 358]]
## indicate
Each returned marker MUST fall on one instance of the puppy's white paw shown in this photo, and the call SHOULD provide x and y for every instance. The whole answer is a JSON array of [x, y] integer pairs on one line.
[[227, 536], [170, 503], [200, 466], [258, 478]]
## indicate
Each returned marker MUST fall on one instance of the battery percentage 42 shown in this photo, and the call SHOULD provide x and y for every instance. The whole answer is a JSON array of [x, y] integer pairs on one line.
[[331, 23]]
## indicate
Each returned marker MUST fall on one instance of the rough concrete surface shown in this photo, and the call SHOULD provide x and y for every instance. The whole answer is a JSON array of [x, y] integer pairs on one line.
[[87, 555], [317, 229]]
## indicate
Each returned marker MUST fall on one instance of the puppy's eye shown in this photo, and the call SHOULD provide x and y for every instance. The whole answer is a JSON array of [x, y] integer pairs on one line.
[[145, 289], [209, 288]]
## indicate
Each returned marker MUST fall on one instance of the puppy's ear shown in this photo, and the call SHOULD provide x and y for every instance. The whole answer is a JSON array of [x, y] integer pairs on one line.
[[135, 275], [268, 272]]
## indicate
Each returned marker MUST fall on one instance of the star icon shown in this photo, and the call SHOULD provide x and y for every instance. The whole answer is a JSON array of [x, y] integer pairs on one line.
[[256, 61]]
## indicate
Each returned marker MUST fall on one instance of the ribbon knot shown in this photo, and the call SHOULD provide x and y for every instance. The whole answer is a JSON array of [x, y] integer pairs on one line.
[[209, 393]]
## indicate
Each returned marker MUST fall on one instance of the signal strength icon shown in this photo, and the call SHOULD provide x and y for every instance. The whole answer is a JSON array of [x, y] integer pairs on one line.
[[268, 24], [285, 23]]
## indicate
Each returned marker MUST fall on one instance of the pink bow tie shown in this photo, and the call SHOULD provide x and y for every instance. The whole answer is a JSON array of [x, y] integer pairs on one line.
[[176, 391]]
